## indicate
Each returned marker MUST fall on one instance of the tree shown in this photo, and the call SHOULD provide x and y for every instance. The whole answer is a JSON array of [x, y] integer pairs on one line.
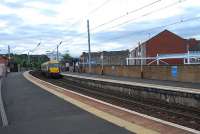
[[35, 60], [66, 57]]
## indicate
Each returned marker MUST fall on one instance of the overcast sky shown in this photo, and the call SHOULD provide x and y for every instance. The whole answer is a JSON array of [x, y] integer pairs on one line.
[[24, 23]]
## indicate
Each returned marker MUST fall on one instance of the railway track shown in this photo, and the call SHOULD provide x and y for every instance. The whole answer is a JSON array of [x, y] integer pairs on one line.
[[179, 115]]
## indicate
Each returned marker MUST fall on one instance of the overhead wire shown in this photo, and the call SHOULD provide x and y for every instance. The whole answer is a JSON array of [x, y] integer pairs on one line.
[[71, 40], [130, 12], [158, 27], [127, 13], [99, 7], [91, 12], [146, 14]]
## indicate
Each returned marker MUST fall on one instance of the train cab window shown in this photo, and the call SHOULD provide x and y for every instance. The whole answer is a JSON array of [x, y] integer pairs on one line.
[[53, 65]]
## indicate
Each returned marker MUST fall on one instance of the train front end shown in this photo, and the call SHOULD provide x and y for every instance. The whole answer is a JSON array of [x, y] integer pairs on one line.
[[54, 69]]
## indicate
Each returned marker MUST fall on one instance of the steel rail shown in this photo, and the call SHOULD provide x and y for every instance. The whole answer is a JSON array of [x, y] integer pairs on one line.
[[95, 92]]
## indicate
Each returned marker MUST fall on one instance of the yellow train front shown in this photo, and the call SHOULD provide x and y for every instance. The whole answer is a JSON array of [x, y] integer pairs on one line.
[[51, 68]]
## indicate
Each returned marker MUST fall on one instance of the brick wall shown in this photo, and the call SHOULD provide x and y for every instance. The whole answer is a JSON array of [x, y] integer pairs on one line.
[[165, 42], [185, 73]]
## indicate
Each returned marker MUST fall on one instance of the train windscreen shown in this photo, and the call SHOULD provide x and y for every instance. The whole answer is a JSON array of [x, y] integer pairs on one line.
[[53, 65]]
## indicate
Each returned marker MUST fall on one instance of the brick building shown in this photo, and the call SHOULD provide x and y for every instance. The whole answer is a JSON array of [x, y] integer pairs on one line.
[[165, 42], [109, 57], [3, 60]]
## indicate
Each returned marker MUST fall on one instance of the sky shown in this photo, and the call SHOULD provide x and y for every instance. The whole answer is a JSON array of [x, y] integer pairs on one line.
[[114, 24]]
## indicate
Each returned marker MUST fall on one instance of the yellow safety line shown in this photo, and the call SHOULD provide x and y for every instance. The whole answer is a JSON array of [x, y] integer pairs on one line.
[[106, 116]]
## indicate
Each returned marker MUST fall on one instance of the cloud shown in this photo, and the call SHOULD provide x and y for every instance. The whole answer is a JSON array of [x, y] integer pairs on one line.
[[3, 24], [25, 23]]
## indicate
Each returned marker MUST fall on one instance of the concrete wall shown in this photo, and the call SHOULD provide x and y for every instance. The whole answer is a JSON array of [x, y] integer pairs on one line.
[[185, 73], [141, 93]]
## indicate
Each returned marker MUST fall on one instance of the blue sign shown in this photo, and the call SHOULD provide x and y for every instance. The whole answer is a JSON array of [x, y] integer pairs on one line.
[[174, 71]]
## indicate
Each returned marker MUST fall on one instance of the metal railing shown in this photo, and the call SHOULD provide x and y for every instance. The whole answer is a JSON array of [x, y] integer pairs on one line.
[[191, 57]]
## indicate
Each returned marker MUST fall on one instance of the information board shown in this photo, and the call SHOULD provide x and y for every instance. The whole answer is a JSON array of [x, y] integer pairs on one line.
[[174, 71]]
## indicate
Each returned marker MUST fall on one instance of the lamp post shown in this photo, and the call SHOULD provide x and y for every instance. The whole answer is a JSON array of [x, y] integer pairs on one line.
[[57, 55], [49, 54], [29, 61], [28, 58], [102, 63], [9, 52], [89, 50], [141, 64]]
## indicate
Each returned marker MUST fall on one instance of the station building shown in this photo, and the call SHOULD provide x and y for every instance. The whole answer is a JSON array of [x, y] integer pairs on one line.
[[108, 57], [164, 43]]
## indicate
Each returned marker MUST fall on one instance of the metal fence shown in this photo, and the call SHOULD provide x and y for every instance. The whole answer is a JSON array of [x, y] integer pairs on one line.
[[191, 57]]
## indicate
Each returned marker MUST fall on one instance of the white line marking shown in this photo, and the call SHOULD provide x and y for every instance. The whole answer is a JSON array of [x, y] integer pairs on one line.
[[127, 110], [2, 110]]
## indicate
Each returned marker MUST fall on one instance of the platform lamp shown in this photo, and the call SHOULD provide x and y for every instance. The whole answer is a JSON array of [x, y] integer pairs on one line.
[[32, 51], [57, 54], [141, 61], [102, 63]]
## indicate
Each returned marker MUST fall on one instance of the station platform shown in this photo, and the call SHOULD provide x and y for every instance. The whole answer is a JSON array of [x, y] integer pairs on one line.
[[32, 110], [133, 121], [186, 87]]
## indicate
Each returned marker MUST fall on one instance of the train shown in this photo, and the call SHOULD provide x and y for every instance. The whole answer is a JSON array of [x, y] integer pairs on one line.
[[51, 68]]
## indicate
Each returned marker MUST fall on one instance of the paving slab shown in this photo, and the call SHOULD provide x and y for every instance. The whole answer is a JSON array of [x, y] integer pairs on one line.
[[32, 110]]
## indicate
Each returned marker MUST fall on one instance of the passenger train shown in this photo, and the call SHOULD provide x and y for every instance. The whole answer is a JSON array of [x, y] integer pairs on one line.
[[51, 68]]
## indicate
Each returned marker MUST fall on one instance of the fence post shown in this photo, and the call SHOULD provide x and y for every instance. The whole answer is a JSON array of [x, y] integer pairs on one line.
[[157, 59], [127, 61]]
